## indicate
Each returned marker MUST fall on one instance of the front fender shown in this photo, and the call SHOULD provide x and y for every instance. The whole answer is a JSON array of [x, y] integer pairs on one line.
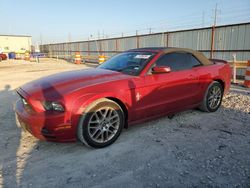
[[84, 101], [81, 103]]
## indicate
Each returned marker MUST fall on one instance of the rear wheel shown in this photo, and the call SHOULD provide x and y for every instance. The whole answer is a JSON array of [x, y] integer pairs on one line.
[[213, 97], [101, 124]]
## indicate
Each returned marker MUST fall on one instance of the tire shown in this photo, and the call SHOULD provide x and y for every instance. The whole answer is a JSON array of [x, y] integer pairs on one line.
[[212, 98], [101, 123]]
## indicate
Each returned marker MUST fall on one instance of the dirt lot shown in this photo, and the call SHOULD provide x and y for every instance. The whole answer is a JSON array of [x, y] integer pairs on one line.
[[194, 149]]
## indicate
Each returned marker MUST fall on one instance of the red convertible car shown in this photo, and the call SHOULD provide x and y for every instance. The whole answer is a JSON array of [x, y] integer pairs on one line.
[[94, 105]]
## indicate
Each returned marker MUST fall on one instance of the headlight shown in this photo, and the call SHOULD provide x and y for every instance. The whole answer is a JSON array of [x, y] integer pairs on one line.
[[26, 105], [24, 101], [53, 106]]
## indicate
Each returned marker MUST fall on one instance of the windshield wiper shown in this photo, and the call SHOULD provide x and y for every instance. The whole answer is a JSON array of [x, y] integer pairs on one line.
[[118, 70]]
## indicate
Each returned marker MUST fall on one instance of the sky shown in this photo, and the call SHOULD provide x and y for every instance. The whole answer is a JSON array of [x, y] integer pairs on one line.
[[51, 21]]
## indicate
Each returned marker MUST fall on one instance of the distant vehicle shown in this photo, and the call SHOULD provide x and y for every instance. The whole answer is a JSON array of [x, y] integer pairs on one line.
[[94, 105], [3, 57]]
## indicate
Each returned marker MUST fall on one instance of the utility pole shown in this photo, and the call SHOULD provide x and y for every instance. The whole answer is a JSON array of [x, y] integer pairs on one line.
[[215, 15], [41, 39], [89, 46], [137, 40], [213, 32], [203, 18], [150, 30], [98, 34], [69, 39], [41, 43]]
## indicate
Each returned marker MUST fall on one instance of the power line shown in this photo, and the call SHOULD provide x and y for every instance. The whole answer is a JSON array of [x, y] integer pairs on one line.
[[189, 21]]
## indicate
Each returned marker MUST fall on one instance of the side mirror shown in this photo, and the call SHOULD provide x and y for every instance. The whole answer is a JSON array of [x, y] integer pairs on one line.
[[161, 69]]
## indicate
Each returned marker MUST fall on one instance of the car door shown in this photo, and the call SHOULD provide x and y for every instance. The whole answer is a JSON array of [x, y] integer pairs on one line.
[[169, 92]]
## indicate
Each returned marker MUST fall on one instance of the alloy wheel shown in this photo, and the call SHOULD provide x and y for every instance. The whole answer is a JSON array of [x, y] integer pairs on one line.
[[215, 96], [103, 124]]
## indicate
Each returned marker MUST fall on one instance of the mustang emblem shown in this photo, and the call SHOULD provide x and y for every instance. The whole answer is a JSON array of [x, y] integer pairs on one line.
[[138, 96]]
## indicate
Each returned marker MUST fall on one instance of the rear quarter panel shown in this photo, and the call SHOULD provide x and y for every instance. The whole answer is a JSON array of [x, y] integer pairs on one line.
[[210, 73]]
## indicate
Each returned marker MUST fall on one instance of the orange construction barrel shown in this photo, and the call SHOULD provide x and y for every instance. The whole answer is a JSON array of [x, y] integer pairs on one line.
[[102, 58], [77, 58], [247, 75], [26, 56]]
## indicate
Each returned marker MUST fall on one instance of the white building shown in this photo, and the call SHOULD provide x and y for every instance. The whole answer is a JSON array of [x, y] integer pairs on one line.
[[15, 43]]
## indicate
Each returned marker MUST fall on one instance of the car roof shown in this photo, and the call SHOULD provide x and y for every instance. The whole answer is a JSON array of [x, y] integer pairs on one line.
[[197, 54], [152, 49]]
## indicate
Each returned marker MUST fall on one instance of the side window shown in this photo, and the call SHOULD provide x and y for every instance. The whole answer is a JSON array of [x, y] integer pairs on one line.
[[195, 62], [178, 61]]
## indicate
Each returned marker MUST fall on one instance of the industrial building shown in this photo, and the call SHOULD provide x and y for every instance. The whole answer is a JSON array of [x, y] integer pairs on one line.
[[15, 43]]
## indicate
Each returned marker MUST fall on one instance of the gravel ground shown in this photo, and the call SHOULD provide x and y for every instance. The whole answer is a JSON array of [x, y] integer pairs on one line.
[[193, 149]]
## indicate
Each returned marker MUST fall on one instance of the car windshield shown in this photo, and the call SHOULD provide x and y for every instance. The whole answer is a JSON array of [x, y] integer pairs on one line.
[[128, 62]]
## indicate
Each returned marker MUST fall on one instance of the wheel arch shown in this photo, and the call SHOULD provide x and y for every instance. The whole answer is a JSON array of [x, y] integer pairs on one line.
[[123, 107], [204, 104], [88, 100], [221, 82]]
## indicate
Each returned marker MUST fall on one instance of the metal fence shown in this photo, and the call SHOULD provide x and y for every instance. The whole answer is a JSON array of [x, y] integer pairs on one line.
[[221, 42]]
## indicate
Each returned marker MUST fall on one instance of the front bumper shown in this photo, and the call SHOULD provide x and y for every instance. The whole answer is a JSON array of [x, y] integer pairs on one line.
[[44, 125]]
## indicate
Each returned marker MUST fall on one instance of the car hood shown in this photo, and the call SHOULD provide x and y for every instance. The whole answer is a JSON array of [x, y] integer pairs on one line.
[[62, 83]]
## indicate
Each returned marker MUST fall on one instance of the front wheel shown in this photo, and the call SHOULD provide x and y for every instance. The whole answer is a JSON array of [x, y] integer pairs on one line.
[[101, 124], [212, 98]]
